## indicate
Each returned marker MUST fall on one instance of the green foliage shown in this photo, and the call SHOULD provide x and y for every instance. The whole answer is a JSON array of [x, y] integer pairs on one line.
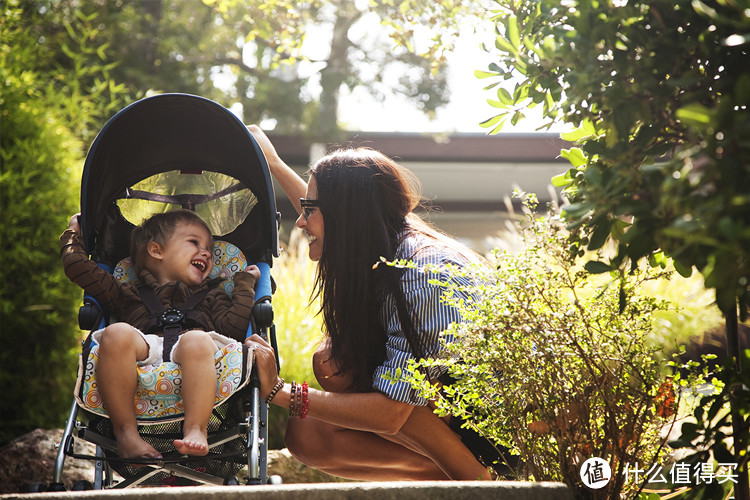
[[691, 315], [41, 165], [710, 430], [660, 93], [555, 364]]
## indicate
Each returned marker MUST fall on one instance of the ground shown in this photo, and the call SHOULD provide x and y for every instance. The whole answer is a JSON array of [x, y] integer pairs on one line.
[[32, 456]]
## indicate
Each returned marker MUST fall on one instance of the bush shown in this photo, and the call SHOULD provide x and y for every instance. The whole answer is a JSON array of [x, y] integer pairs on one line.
[[41, 165], [39, 156], [559, 368]]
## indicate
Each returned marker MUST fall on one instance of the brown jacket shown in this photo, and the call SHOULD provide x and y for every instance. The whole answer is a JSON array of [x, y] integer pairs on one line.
[[225, 315]]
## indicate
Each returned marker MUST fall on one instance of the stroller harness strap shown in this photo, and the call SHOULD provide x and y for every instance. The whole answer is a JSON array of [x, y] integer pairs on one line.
[[172, 321]]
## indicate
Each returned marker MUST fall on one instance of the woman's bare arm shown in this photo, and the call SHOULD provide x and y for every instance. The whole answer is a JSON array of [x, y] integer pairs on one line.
[[293, 185]]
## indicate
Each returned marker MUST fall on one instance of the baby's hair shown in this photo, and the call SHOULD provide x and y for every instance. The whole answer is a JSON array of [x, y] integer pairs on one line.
[[159, 228]]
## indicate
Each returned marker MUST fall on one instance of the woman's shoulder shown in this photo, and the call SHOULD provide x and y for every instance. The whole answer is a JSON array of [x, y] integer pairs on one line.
[[425, 249]]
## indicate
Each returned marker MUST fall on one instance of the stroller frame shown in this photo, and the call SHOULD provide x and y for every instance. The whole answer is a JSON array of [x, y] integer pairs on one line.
[[152, 136], [252, 429]]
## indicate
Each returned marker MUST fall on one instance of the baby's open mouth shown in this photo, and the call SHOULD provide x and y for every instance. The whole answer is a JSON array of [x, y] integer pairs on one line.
[[199, 264]]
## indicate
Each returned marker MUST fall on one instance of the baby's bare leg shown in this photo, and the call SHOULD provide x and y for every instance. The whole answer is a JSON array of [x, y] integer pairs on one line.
[[195, 355], [120, 347]]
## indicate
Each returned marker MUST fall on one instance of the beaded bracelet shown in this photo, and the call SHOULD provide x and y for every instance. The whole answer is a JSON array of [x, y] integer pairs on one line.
[[276, 389], [305, 401], [298, 401], [293, 399]]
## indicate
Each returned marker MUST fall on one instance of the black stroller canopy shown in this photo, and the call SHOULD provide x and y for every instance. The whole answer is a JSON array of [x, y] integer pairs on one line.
[[176, 137]]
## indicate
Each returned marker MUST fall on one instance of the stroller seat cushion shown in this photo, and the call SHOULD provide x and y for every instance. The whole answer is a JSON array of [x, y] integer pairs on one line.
[[158, 395], [227, 260]]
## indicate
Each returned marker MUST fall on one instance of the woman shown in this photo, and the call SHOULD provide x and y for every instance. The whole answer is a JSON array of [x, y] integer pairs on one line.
[[366, 424]]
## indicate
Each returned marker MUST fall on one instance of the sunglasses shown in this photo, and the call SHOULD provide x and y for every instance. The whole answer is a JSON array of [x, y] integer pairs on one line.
[[308, 206]]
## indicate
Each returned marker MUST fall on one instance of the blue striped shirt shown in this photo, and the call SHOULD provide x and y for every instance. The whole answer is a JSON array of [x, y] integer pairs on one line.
[[430, 315]]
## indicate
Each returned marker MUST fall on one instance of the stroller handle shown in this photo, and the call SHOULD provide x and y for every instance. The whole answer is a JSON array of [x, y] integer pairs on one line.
[[263, 288]]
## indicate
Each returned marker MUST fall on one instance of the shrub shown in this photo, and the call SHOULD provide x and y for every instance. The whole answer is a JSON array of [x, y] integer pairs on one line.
[[557, 367], [46, 111]]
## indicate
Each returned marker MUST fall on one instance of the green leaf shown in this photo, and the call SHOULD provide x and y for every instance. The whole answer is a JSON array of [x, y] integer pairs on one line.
[[722, 454], [689, 430], [504, 45], [499, 126], [517, 117], [695, 114], [490, 122], [683, 270], [511, 25], [575, 156], [599, 236], [497, 104], [562, 180], [704, 9], [597, 267], [484, 74], [575, 135], [504, 96]]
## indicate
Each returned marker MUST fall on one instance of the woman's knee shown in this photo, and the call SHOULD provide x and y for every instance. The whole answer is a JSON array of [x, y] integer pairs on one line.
[[304, 445]]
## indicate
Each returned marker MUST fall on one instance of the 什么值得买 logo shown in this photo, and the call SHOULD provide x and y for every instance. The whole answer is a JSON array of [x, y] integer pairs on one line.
[[595, 473]]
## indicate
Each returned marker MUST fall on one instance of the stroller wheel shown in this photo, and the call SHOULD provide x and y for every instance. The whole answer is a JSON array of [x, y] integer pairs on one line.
[[231, 481], [56, 487], [82, 485], [37, 487], [275, 479]]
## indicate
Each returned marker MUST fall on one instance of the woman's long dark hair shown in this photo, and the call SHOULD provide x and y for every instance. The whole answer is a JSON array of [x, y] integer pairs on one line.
[[366, 200]]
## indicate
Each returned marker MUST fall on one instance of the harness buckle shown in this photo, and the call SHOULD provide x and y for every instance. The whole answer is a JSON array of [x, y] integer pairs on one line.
[[171, 317]]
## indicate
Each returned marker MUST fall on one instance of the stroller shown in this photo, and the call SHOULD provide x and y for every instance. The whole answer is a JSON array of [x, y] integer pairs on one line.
[[164, 152]]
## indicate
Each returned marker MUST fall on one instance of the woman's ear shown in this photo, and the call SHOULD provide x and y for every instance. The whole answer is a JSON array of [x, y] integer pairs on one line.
[[154, 250]]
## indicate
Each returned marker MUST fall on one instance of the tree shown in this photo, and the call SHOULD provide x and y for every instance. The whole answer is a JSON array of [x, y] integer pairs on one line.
[[277, 60], [350, 51], [153, 45], [42, 104], [660, 93]]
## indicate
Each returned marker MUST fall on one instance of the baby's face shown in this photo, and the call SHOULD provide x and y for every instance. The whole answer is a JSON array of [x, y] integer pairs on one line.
[[187, 255]]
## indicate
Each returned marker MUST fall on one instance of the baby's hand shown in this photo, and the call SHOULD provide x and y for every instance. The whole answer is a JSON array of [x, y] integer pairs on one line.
[[73, 224], [251, 269]]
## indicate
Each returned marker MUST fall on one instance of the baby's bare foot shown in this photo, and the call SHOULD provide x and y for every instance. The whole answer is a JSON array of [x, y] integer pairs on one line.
[[131, 445], [193, 443]]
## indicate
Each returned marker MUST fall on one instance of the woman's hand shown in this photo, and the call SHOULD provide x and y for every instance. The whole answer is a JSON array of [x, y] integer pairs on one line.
[[265, 363], [73, 224], [272, 157], [293, 185]]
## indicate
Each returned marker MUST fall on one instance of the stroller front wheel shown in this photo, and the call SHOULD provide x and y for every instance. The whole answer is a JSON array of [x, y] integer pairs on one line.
[[37, 487], [82, 485]]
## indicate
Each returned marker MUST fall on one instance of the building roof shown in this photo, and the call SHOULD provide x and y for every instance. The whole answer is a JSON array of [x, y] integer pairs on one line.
[[414, 147]]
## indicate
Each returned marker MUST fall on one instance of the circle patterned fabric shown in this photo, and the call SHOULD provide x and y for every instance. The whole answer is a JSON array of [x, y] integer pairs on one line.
[[158, 396]]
